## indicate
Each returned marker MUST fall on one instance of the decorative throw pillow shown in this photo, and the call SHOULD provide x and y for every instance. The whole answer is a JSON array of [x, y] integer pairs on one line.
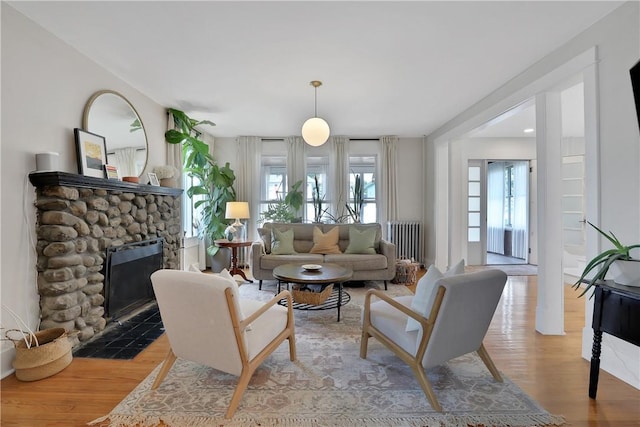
[[282, 242], [325, 243], [361, 241], [426, 292]]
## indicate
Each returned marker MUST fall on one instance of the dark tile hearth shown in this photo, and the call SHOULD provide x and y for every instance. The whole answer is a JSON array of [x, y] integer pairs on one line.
[[126, 339]]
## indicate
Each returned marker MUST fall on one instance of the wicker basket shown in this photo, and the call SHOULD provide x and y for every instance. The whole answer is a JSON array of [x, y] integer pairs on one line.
[[50, 356], [306, 296], [406, 272]]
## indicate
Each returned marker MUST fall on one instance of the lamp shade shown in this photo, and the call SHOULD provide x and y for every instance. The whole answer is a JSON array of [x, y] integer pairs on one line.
[[315, 131], [237, 210]]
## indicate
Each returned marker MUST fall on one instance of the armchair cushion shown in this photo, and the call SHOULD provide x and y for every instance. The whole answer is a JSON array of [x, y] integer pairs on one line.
[[262, 332], [325, 243], [391, 322], [426, 292], [282, 242]]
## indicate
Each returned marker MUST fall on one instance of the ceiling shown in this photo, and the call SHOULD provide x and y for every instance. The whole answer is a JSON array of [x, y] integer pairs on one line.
[[388, 68]]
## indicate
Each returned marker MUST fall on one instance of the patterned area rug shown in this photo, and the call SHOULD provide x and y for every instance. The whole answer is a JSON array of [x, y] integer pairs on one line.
[[329, 385]]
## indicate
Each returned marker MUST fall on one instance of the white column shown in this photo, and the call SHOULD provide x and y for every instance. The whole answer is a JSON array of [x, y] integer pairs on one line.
[[550, 307]]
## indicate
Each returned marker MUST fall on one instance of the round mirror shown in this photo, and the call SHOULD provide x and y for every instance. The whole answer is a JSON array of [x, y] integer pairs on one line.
[[111, 115]]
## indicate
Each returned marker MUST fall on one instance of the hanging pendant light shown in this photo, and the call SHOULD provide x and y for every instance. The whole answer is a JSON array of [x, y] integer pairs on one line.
[[315, 131]]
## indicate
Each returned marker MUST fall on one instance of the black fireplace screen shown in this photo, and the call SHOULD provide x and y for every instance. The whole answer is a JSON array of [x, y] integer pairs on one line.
[[128, 276]]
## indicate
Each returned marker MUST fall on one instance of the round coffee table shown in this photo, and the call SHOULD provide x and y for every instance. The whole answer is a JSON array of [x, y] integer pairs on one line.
[[328, 274]]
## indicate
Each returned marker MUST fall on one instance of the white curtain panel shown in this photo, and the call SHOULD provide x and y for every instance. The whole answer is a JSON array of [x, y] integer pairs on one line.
[[339, 193], [126, 160], [174, 153], [519, 242], [389, 187], [247, 172], [295, 161], [495, 208]]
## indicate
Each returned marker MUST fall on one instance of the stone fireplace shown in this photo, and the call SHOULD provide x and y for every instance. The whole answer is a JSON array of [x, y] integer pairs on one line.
[[80, 219]]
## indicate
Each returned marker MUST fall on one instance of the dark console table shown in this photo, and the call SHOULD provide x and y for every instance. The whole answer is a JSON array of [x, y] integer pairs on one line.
[[616, 311]]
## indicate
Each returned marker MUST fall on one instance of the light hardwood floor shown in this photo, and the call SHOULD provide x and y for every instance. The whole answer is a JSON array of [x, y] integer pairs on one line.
[[549, 368]]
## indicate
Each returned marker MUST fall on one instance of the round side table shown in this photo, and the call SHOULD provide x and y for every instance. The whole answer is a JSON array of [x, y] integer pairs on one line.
[[234, 245]]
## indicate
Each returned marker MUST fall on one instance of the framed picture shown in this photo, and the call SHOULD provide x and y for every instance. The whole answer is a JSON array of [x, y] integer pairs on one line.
[[153, 179], [112, 172], [91, 153]]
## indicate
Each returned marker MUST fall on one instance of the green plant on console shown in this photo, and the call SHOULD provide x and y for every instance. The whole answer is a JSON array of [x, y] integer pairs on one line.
[[601, 262], [285, 209], [213, 183]]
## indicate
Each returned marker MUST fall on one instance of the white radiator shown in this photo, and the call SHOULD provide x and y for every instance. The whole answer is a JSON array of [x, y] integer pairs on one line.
[[408, 238]]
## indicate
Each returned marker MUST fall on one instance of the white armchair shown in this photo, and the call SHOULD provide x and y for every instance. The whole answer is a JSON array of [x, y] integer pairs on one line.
[[207, 322], [458, 321]]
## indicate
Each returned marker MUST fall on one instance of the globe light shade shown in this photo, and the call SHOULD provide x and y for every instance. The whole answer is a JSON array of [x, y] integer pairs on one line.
[[315, 131]]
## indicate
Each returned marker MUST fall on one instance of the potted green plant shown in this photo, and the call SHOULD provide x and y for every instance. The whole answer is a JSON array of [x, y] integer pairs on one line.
[[617, 256], [214, 184], [358, 200], [318, 211], [285, 209]]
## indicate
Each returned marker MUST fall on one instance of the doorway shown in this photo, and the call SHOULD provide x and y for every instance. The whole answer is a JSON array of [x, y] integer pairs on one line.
[[507, 214]]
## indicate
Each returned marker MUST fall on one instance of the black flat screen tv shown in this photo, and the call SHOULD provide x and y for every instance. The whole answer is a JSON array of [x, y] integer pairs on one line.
[[635, 84]]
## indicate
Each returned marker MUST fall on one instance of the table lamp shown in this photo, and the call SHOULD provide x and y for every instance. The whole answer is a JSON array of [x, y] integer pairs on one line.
[[237, 211]]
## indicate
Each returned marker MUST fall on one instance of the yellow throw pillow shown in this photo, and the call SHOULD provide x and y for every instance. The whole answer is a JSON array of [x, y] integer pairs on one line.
[[325, 243]]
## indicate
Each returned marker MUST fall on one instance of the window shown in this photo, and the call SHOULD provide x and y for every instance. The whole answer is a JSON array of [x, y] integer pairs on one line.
[[473, 204], [317, 167], [191, 218], [365, 166], [273, 182], [509, 200]]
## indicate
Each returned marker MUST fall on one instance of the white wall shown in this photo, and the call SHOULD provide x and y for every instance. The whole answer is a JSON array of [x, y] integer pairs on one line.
[[617, 38], [45, 85]]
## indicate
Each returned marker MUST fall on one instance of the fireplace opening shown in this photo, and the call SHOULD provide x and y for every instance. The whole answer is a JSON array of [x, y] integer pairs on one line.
[[127, 272]]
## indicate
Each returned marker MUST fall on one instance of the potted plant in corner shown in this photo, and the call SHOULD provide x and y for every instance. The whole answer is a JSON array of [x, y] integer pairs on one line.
[[213, 183], [619, 257]]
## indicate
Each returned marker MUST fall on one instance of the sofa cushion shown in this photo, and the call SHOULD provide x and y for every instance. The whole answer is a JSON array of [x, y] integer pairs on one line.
[[282, 242], [325, 243], [359, 262], [361, 241], [270, 261], [426, 291]]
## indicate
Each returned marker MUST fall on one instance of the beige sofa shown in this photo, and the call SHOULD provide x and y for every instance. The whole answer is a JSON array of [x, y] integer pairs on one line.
[[375, 266]]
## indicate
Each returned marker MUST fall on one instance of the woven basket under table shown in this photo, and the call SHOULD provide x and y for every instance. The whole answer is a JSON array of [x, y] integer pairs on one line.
[[304, 295]]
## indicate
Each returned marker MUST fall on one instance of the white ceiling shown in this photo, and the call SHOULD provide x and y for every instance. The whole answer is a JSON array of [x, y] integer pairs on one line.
[[388, 68]]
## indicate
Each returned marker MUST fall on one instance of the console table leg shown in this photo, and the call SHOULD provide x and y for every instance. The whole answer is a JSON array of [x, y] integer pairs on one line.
[[595, 364]]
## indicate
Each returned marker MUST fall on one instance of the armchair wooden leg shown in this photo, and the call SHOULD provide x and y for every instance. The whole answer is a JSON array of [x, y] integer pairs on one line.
[[385, 285], [169, 360], [484, 355], [364, 342], [426, 386], [292, 347], [260, 285], [243, 382]]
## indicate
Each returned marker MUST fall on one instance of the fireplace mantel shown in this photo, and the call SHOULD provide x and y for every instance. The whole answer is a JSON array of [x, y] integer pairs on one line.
[[65, 179]]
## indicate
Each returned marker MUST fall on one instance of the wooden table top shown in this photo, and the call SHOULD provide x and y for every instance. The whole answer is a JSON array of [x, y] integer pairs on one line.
[[329, 273], [224, 243]]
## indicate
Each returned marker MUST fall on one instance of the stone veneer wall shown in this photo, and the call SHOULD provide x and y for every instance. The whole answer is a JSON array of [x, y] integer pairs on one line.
[[74, 228]]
